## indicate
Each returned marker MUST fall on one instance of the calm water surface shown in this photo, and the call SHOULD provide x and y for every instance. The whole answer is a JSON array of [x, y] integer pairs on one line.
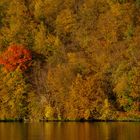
[[70, 131]]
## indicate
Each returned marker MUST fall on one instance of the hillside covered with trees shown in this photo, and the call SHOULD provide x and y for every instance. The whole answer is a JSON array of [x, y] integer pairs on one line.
[[70, 59]]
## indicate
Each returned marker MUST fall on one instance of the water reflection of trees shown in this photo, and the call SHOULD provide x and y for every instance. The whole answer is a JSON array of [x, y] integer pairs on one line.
[[70, 131]]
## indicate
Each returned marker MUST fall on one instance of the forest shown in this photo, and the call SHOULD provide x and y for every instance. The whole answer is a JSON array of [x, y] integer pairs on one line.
[[69, 60]]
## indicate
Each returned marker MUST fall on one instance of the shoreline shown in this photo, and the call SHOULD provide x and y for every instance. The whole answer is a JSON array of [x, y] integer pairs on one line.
[[80, 120]]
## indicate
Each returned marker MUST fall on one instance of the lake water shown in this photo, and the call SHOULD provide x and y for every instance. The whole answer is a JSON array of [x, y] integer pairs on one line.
[[70, 131]]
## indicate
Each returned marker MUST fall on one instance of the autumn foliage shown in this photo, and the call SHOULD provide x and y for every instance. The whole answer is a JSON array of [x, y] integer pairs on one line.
[[86, 59], [16, 56]]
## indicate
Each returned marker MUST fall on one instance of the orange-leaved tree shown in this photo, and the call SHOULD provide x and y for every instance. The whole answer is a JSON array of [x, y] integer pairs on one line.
[[16, 56]]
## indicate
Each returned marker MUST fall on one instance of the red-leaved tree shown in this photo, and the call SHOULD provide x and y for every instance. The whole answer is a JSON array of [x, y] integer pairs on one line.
[[16, 56]]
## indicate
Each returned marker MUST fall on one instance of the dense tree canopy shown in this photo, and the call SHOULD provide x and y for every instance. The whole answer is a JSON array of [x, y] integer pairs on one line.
[[83, 57]]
